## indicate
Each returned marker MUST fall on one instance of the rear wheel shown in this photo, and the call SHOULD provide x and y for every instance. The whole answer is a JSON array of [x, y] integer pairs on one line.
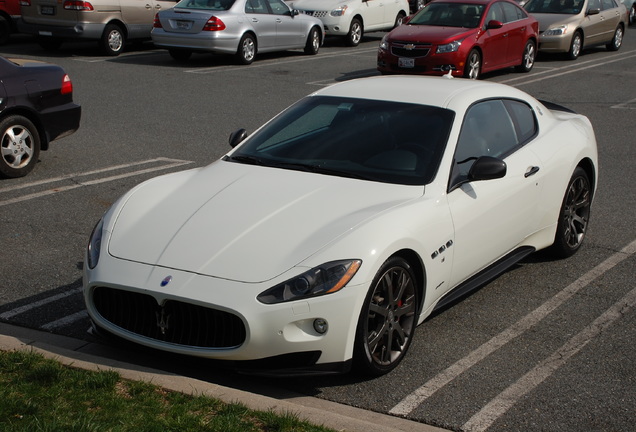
[[179, 54], [313, 42], [472, 69], [527, 59], [112, 40], [632, 15], [19, 146], [246, 50], [399, 19], [617, 40], [575, 46], [573, 216], [356, 31], [387, 320]]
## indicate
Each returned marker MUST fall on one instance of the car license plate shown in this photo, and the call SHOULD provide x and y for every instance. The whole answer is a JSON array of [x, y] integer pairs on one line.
[[406, 62], [184, 25], [47, 10]]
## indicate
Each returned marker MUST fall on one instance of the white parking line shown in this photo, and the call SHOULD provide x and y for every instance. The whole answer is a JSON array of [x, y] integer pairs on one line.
[[70, 319], [168, 163], [625, 105], [506, 399], [412, 401], [37, 304]]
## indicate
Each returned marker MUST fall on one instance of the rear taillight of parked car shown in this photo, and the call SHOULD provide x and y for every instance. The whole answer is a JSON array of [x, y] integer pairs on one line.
[[214, 24], [78, 5], [67, 85], [157, 23]]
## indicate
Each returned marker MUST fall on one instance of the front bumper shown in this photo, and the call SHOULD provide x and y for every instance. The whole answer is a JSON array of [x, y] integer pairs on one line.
[[555, 44], [429, 64]]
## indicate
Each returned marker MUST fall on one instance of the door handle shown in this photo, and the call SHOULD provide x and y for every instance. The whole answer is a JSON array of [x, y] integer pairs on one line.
[[531, 171]]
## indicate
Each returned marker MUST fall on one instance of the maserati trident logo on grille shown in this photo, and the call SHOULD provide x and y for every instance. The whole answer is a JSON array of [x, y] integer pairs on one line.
[[166, 281], [163, 321]]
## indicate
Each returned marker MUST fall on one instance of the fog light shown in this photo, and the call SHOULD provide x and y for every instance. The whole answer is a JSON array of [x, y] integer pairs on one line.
[[320, 325]]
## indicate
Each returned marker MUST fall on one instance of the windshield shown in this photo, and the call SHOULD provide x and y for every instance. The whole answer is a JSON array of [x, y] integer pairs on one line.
[[217, 5], [569, 7], [373, 140], [449, 15]]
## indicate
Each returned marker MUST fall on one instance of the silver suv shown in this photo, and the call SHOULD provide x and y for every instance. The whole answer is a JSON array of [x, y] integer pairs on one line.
[[111, 22]]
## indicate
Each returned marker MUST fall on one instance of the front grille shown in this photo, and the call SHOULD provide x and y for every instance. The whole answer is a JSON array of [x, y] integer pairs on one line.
[[411, 50], [174, 322], [317, 14]]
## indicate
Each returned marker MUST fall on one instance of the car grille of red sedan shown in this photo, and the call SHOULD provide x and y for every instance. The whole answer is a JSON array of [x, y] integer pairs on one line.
[[173, 322], [407, 49]]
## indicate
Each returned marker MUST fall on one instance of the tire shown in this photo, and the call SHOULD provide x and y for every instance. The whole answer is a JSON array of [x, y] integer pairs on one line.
[[528, 57], [179, 54], [617, 40], [113, 40], [575, 46], [472, 70], [387, 320], [632, 15], [313, 42], [5, 30], [574, 215], [356, 31], [19, 146], [419, 4], [246, 50], [50, 43], [398, 19]]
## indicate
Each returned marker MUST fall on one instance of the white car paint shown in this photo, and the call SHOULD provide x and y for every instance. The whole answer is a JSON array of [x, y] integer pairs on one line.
[[227, 232]]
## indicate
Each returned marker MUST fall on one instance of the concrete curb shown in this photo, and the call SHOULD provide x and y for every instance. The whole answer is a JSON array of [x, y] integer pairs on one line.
[[86, 355]]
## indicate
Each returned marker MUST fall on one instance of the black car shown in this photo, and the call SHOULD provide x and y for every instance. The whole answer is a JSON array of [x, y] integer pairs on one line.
[[36, 107]]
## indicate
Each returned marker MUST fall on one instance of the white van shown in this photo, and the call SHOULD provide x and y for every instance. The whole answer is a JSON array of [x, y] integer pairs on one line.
[[111, 22]]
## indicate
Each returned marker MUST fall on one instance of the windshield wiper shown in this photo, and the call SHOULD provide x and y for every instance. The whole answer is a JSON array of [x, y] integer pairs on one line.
[[318, 169], [252, 160]]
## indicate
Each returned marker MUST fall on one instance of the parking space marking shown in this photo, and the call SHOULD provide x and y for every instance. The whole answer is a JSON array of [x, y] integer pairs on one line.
[[416, 398], [37, 304], [630, 104], [506, 399], [166, 164], [62, 322]]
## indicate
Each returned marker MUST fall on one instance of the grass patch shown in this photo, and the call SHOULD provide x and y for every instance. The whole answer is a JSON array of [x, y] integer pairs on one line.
[[42, 395]]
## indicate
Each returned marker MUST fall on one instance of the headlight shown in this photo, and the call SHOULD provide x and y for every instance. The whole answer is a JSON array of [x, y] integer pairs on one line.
[[450, 47], [338, 11], [325, 279], [95, 244], [384, 43], [556, 31]]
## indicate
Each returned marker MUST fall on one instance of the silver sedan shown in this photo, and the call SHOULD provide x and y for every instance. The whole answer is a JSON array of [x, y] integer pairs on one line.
[[240, 27]]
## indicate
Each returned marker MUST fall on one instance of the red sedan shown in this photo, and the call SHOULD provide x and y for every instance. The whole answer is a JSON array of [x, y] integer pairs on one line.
[[462, 37]]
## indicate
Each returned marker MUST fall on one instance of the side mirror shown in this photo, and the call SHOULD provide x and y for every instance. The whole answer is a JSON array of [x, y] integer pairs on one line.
[[237, 137], [593, 11], [487, 168], [494, 24]]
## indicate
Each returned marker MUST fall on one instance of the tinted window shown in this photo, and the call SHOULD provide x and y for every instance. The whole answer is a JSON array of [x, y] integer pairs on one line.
[[512, 12]]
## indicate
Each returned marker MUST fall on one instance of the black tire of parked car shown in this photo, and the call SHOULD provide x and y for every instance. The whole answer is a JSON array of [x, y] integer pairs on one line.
[[528, 57], [19, 136], [246, 49], [399, 19], [617, 40], [113, 40], [575, 46], [356, 31], [574, 215], [388, 319], [472, 69], [313, 42]]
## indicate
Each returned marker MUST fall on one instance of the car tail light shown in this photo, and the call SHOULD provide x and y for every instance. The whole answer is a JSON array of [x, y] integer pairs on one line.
[[25, 2], [157, 22], [214, 24], [78, 5], [67, 85]]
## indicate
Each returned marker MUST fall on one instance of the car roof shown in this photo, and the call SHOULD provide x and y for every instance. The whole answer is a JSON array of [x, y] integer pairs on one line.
[[481, 2], [425, 90]]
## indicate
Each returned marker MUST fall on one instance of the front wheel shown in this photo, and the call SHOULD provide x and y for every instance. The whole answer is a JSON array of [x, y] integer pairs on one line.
[[617, 40], [246, 50], [313, 42], [575, 46], [632, 14], [472, 69], [356, 31], [20, 146], [399, 19], [527, 58], [387, 320], [573, 216], [113, 40]]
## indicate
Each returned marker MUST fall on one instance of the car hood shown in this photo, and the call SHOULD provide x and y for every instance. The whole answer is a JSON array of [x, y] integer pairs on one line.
[[241, 222], [551, 20], [431, 34], [321, 5]]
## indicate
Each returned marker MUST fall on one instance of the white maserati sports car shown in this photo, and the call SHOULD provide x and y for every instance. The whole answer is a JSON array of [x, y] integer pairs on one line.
[[319, 242]]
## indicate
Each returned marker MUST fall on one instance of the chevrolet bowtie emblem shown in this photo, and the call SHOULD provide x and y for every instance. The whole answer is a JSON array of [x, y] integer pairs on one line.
[[409, 47]]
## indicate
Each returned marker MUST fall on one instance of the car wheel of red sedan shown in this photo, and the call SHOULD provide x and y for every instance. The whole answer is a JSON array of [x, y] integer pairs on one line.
[[527, 59], [20, 146], [472, 69], [388, 319]]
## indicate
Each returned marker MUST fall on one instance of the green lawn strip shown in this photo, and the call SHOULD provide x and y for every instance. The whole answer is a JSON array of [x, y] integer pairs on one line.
[[40, 394]]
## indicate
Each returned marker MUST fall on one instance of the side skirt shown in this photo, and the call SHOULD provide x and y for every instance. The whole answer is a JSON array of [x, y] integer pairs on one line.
[[485, 275]]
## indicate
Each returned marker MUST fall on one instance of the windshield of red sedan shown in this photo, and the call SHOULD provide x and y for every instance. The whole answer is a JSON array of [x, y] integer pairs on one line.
[[567, 7], [373, 140], [218, 5], [449, 15]]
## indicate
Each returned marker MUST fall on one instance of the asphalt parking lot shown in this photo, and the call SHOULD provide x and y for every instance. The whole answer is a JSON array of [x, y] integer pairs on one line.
[[546, 346]]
